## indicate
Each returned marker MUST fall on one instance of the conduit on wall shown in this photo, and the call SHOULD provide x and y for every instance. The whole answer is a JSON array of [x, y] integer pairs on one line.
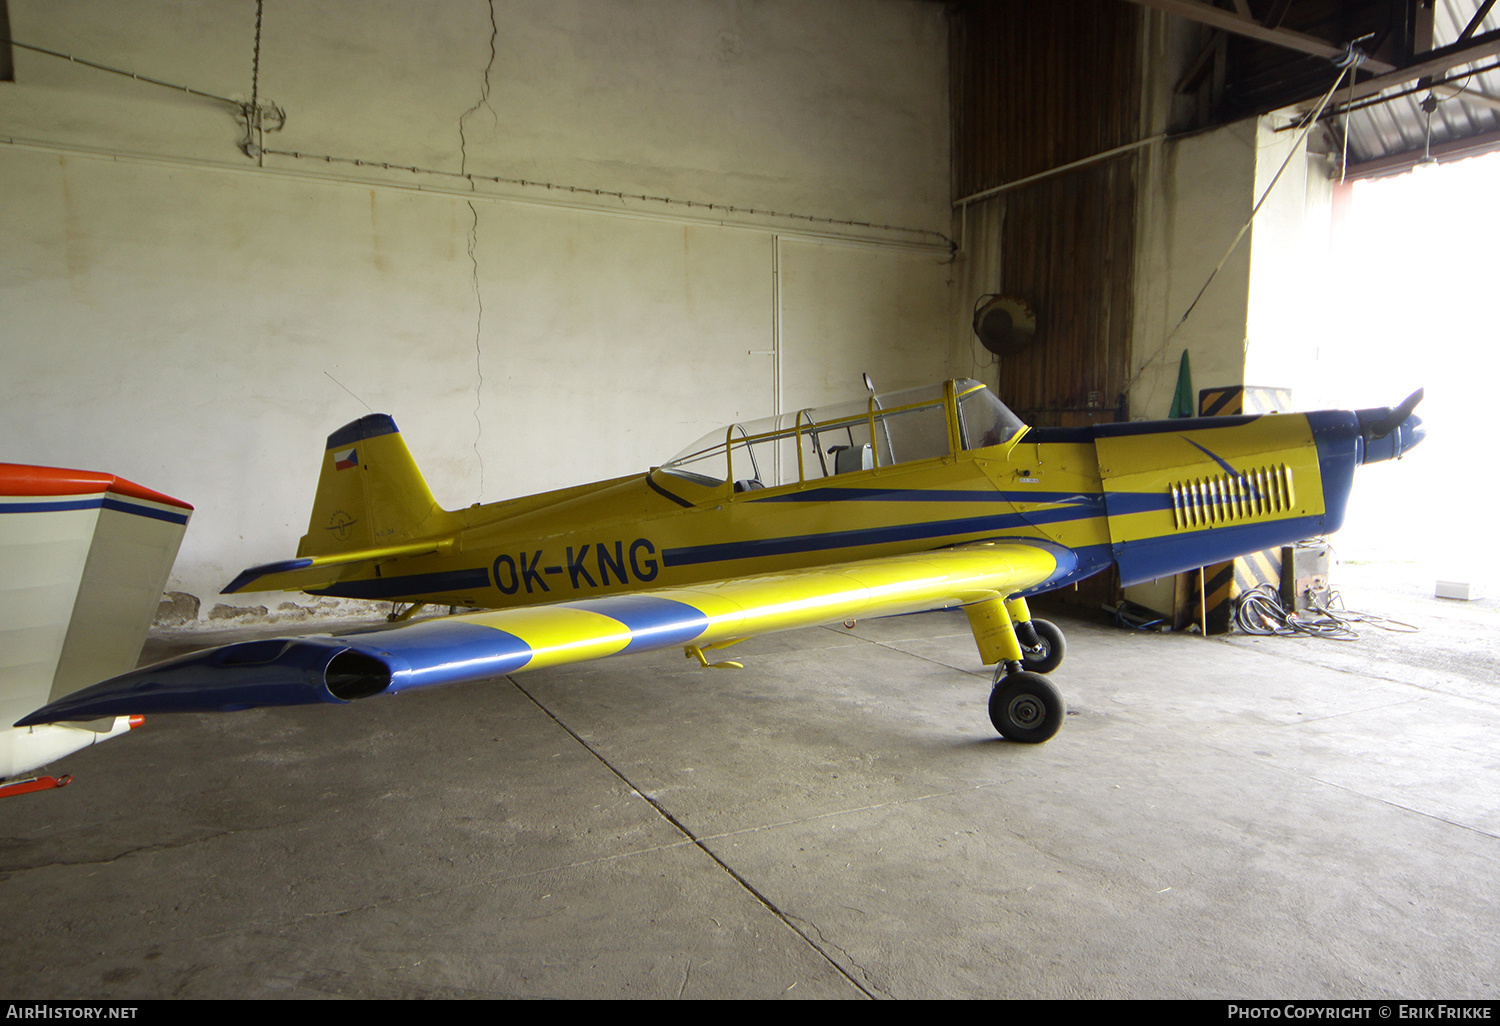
[[715, 216], [253, 146]]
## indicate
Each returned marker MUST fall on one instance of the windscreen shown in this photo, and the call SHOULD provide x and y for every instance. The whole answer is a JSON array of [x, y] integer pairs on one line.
[[882, 430], [984, 420]]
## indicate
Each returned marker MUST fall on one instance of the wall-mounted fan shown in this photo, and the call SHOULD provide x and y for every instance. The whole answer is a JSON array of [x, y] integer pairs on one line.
[[1005, 324]]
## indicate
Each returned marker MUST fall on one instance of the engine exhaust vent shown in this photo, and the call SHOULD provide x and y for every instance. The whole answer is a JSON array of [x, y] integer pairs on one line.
[[1232, 498], [351, 675]]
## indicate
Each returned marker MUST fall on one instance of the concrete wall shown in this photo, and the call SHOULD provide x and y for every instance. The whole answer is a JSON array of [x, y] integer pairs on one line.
[[1260, 319], [194, 319], [1197, 193]]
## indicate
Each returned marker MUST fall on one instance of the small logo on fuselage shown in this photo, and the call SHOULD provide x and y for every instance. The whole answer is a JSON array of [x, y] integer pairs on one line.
[[341, 524]]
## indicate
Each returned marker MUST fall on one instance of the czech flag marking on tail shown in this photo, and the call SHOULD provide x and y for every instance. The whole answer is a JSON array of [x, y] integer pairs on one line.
[[346, 459]]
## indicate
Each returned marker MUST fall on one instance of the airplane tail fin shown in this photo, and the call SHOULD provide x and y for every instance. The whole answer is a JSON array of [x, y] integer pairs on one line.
[[370, 492]]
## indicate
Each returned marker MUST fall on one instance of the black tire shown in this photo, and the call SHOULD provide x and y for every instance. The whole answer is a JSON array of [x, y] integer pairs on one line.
[[1025, 707], [1053, 647]]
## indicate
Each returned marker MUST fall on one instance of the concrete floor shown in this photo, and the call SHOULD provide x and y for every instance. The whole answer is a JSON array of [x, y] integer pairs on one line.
[[1221, 818]]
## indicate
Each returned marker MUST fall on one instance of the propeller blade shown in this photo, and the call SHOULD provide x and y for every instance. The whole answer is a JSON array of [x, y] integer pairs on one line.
[[1394, 419]]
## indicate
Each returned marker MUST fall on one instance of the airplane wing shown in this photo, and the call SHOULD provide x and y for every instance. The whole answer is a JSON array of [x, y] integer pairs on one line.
[[475, 646]]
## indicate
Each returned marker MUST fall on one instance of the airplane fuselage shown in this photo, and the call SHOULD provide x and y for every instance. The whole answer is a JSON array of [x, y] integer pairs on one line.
[[1168, 494]]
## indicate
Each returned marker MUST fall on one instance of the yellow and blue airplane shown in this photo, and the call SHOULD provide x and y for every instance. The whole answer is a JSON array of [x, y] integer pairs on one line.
[[924, 499]]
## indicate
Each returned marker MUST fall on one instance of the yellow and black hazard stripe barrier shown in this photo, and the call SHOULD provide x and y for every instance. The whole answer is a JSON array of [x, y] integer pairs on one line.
[[1224, 583], [1236, 399]]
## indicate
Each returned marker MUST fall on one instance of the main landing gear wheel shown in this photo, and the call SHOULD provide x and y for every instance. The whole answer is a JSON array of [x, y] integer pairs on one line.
[[1025, 707], [1047, 654]]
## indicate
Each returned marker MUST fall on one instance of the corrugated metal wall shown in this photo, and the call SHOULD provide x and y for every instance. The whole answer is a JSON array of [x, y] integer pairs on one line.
[[1036, 86]]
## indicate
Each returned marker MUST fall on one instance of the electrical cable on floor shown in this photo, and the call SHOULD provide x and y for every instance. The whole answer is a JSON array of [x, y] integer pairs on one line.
[[1137, 618], [1260, 612]]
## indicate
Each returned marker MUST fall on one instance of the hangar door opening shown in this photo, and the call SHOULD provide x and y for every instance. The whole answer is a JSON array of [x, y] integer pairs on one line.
[[1409, 303]]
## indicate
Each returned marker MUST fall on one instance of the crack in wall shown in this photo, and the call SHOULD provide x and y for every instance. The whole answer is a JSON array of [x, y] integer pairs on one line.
[[478, 351], [473, 242]]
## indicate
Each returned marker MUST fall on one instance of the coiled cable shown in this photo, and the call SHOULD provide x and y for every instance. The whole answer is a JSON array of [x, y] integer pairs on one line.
[[1260, 611]]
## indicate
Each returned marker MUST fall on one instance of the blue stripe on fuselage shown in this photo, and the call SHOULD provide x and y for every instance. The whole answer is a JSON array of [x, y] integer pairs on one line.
[[1128, 429], [413, 585], [1065, 505], [836, 494], [1145, 559], [1213, 456], [1079, 507]]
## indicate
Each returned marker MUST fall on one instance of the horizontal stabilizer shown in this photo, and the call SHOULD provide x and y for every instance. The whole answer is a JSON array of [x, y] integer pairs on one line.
[[308, 572]]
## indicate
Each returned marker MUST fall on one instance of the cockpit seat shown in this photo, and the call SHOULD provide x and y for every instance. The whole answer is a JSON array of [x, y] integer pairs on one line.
[[847, 458]]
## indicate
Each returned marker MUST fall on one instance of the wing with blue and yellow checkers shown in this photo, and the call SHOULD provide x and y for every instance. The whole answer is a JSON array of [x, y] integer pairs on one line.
[[476, 646]]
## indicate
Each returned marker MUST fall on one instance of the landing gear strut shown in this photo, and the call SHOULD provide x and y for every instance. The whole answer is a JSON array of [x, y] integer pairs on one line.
[[1043, 652], [1024, 705]]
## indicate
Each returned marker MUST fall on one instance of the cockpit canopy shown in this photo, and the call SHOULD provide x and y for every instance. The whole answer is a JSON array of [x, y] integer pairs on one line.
[[894, 427]]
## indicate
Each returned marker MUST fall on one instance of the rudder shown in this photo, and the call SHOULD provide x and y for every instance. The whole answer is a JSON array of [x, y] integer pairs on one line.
[[370, 492]]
